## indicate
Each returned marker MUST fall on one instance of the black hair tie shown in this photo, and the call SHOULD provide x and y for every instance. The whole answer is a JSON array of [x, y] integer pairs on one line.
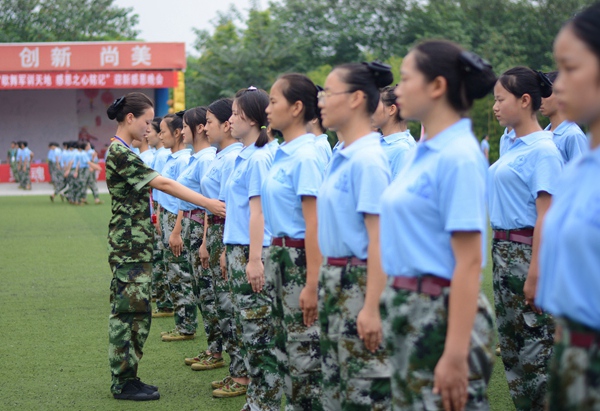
[[472, 62], [377, 67], [118, 103], [544, 79], [319, 88], [180, 113]]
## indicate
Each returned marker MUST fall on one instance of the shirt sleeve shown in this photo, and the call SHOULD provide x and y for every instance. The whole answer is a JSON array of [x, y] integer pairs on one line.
[[308, 177], [258, 169], [462, 195], [577, 144], [369, 180], [131, 168], [545, 173]]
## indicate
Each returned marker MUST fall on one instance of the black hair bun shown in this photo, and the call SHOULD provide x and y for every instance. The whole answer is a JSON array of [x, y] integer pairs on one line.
[[545, 84], [478, 73], [115, 107], [382, 73]]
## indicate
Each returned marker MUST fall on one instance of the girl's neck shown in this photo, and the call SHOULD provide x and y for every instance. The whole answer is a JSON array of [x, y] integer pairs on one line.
[[226, 142], [438, 120], [177, 147], [527, 126], [595, 133], [124, 135], [200, 143], [250, 138], [556, 120], [393, 127], [358, 126], [293, 132]]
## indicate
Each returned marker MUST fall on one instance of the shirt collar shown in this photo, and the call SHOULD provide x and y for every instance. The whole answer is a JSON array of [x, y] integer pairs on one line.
[[290, 148], [206, 150], [322, 137], [461, 127], [363, 142], [533, 138], [248, 151], [562, 127], [230, 148], [179, 153], [392, 138]]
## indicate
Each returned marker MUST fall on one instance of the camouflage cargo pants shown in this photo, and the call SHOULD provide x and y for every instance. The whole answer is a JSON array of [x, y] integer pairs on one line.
[[223, 301], [526, 338], [301, 366], [353, 377], [129, 321], [254, 320], [573, 372], [180, 276], [60, 182], [15, 171], [52, 171], [25, 176], [82, 178], [415, 327], [90, 183], [160, 284], [69, 184], [205, 290]]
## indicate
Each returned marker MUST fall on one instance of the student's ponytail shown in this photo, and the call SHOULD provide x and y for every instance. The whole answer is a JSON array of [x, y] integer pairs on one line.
[[253, 102]]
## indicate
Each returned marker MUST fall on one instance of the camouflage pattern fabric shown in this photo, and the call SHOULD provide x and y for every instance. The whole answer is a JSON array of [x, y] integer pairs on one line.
[[129, 321], [60, 182], [160, 285], [205, 290], [415, 327], [90, 182], [180, 276], [130, 229], [254, 320], [526, 338], [25, 176], [52, 170], [69, 183], [573, 372], [80, 184], [353, 377], [223, 301], [301, 366]]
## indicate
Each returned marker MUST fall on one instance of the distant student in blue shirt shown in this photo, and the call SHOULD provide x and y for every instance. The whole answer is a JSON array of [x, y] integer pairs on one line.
[[289, 203], [354, 362], [570, 251], [179, 270], [485, 147], [246, 237], [521, 184], [568, 137], [218, 132], [396, 139], [438, 324], [92, 157], [322, 139]]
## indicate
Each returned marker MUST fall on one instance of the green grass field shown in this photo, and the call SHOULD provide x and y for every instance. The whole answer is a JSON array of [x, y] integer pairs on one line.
[[54, 305]]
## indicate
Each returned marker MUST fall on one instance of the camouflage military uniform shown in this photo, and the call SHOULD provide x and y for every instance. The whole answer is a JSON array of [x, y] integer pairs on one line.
[[300, 361], [353, 377], [81, 188], [573, 372], [254, 320], [415, 327], [180, 276], [52, 170], [204, 291], [90, 182], [526, 338], [160, 285], [25, 175], [12, 155], [223, 301], [130, 253]]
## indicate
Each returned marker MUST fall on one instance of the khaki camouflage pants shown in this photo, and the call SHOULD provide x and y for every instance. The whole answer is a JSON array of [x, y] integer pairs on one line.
[[526, 338], [415, 327], [129, 321], [255, 322], [223, 302], [573, 372], [180, 276], [353, 377], [205, 290], [301, 365], [160, 285]]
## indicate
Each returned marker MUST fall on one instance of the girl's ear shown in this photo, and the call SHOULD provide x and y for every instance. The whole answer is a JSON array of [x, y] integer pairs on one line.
[[226, 126]]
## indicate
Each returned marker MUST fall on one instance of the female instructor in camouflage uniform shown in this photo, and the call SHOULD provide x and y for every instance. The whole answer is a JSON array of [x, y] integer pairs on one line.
[[130, 243]]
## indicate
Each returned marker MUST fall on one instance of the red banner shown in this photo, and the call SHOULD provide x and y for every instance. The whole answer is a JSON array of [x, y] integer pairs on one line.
[[39, 173], [36, 57], [88, 79]]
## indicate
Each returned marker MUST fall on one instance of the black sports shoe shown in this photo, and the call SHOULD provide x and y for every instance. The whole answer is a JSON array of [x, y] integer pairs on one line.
[[147, 387], [133, 391]]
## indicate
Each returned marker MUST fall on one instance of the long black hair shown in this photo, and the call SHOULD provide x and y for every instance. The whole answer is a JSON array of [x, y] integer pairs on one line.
[[368, 78], [135, 103], [253, 102]]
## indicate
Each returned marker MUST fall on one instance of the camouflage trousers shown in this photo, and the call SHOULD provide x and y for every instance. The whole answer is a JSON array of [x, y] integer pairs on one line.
[[160, 285], [129, 321], [253, 315], [90, 183], [81, 184], [70, 186], [415, 327], [60, 182], [573, 372], [296, 346], [15, 171], [25, 176], [223, 302], [205, 290], [180, 276], [353, 377], [526, 338], [52, 170]]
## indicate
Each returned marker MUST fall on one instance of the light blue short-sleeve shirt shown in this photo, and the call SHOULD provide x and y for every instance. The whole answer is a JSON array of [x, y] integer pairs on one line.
[[175, 164], [570, 140], [440, 191], [148, 158], [530, 165], [192, 175], [296, 172], [83, 159], [51, 155], [65, 157], [323, 149], [485, 146], [160, 158], [570, 247], [215, 179], [354, 180], [506, 140], [250, 171], [273, 146], [397, 146]]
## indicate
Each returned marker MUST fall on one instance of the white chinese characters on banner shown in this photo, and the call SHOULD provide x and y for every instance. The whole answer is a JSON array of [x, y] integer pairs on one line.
[[60, 57], [109, 55], [30, 57], [37, 174], [141, 55]]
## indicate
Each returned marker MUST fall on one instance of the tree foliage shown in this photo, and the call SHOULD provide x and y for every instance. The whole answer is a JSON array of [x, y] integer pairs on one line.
[[65, 20]]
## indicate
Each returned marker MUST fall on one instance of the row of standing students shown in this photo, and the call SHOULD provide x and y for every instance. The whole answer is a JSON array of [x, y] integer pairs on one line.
[[317, 316]]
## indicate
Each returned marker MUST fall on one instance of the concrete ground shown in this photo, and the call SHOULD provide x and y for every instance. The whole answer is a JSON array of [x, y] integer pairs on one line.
[[12, 189]]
